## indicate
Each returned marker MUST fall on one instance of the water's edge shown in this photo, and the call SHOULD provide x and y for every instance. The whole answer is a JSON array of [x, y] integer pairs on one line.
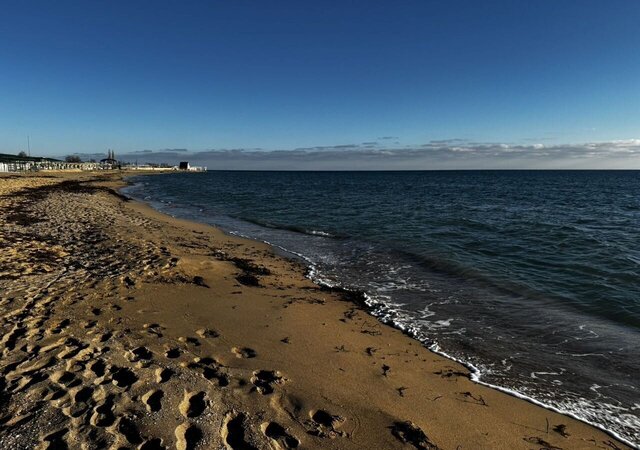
[[377, 310]]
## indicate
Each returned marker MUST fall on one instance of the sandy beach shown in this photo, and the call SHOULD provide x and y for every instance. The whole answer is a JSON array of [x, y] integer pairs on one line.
[[126, 328]]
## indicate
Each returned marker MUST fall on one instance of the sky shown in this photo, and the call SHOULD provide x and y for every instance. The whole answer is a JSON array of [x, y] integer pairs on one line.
[[412, 84]]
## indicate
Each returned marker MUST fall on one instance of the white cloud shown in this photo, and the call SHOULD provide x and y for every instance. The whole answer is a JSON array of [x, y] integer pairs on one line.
[[444, 154]]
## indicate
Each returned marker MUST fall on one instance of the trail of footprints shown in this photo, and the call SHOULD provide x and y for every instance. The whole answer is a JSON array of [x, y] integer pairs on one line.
[[83, 385], [102, 401], [74, 377]]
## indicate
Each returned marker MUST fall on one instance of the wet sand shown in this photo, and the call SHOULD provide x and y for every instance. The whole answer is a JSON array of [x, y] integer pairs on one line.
[[126, 328]]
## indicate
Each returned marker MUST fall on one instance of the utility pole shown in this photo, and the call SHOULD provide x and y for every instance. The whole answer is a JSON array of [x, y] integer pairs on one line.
[[28, 145]]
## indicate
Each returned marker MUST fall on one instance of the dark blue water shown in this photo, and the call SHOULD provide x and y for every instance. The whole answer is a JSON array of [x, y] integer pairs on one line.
[[530, 277]]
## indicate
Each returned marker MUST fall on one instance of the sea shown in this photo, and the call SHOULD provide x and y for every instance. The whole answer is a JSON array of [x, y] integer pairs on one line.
[[529, 278]]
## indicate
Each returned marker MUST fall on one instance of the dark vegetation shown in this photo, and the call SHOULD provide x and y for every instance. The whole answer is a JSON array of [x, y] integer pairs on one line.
[[250, 271], [409, 433]]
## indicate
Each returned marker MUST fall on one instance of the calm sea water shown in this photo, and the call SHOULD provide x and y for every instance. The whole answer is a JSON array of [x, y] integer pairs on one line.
[[531, 278]]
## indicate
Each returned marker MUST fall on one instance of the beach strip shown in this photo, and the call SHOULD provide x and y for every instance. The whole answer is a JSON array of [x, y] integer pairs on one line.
[[126, 328]]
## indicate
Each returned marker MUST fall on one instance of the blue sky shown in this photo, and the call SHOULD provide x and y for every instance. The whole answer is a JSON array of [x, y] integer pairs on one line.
[[282, 75]]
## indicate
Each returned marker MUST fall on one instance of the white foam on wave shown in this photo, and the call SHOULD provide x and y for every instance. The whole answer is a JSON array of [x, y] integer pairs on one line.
[[538, 375], [581, 409], [319, 233]]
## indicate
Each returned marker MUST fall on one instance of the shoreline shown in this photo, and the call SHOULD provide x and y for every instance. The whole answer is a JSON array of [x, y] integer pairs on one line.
[[317, 395], [364, 301], [474, 373]]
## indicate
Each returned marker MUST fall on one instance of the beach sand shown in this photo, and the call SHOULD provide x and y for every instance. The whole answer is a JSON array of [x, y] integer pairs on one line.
[[126, 328]]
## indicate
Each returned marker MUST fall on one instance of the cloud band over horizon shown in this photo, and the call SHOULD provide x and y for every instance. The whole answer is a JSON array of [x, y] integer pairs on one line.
[[437, 155]]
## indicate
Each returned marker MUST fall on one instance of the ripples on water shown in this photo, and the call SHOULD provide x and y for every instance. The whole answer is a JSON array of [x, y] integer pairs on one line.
[[533, 278]]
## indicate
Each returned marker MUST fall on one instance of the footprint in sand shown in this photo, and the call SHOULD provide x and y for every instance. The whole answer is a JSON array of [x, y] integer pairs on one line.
[[82, 395], [204, 361], [244, 352], [75, 410], [74, 366], [206, 333], [123, 377], [233, 431], [104, 337], [153, 400], [211, 373], [138, 354], [172, 353], [153, 329], [77, 403], [57, 329], [127, 428], [98, 367], [324, 424], [189, 340], [103, 413], [53, 345], [208, 367], [163, 375], [64, 378], [193, 404], [53, 440], [26, 381], [187, 436], [10, 339], [69, 351], [264, 380], [51, 393], [277, 433]]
